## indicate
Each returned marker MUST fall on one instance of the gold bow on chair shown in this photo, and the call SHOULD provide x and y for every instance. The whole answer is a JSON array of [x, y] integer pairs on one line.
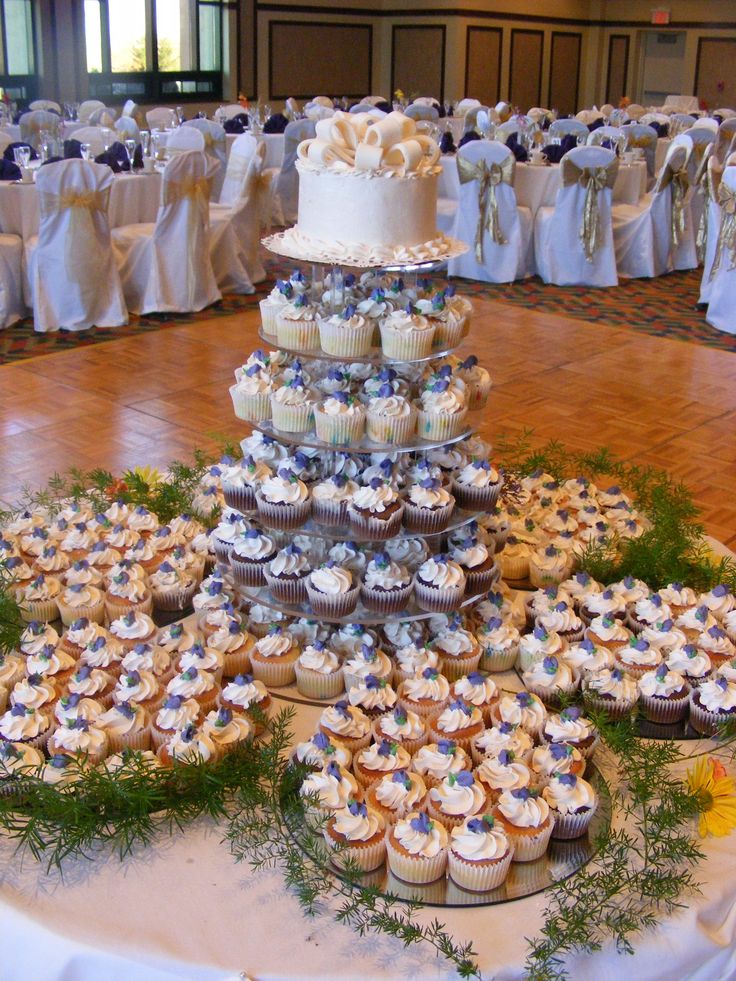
[[489, 176], [680, 182], [727, 232], [89, 200], [640, 142], [190, 187], [593, 179]]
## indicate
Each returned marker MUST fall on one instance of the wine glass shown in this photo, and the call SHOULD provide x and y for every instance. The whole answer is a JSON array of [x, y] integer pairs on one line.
[[180, 114], [22, 156], [130, 150], [86, 150], [145, 142]]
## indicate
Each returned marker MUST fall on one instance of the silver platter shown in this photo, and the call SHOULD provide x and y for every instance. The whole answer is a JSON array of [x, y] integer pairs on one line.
[[362, 446], [376, 356]]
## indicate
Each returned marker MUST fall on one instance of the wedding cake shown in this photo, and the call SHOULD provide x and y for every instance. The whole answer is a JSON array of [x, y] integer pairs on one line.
[[367, 195]]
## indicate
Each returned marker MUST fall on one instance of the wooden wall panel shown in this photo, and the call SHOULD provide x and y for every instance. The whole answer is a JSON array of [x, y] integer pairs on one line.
[[564, 72], [309, 58], [247, 47], [618, 67], [525, 68], [418, 60], [715, 79], [483, 64]]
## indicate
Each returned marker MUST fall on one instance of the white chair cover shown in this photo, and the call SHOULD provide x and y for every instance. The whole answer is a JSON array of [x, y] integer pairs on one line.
[[161, 117], [215, 146], [655, 117], [710, 224], [314, 111], [47, 104], [232, 110], [73, 279], [245, 201], [597, 136], [722, 300], [656, 236], [588, 116], [725, 113], [421, 111], [103, 117], [126, 128], [471, 118], [644, 138], [5, 140], [287, 183], [726, 135], [573, 242], [568, 127], [184, 139], [96, 136], [87, 108], [538, 115], [465, 105], [606, 110], [32, 124], [423, 100], [683, 119], [130, 108], [504, 130], [635, 111], [361, 107], [373, 100], [487, 217], [12, 307], [166, 268]]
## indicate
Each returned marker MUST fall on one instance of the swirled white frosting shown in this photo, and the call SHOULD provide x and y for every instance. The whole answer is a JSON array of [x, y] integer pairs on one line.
[[523, 811], [454, 799], [569, 794]]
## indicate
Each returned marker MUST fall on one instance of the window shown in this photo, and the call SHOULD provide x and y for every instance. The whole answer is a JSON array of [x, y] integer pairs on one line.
[[17, 49], [154, 49]]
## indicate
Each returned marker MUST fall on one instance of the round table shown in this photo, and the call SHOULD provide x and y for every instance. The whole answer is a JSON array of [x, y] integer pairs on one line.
[[133, 198]]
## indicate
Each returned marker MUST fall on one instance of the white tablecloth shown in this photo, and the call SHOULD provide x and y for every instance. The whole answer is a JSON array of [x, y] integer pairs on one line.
[[132, 199], [536, 187], [68, 130], [660, 153], [184, 910]]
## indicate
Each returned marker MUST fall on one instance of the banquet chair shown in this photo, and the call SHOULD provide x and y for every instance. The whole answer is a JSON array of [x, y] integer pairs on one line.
[[12, 306], [315, 111], [722, 297], [166, 267], [87, 108], [215, 146], [504, 130], [373, 100], [606, 109], [72, 276], [701, 136], [126, 128], [419, 111], [232, 110], [245, 201], [725, 138], [568, 127], [725, 113], [598, 136], [656, 236], [5, 140], [654, 117], [161, 117], [103, 117], [32, 124], [184, 139], [644, 138], [710, 224], [487, 216], [129, 109], [46, 104], [471, 118], [287, 183], [683, 120], [98, 137], [589, 116], [573, 242], [465, 105], [361, 107], [538, 115], [635, 111]]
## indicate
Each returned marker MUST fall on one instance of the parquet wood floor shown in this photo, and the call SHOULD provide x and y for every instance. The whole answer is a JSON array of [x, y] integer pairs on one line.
[[153, 397]]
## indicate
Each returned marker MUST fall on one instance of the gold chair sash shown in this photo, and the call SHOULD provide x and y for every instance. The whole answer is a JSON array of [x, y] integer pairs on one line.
[[489, 176], [191, 187], [706, 180], [679, 181], [594, 180], [641, 142], [89, 200], [727, 233]]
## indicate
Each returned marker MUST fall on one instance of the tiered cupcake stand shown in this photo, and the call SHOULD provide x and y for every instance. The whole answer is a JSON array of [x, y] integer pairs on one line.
[[562, 858]]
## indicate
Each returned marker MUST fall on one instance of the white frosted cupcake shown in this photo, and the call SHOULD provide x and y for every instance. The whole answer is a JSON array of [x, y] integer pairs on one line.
[[318, 672], [329, 789], [292, 406], [251, 395], [402, 727], [527, 822], [441, 412], [417, 848], [406, 335], [287, 574], [480, 854], [390, 418], [357, 833], [340, 420], [550, 679], [439, 585], [386, 586], [712, 704], [396, 794], [477, 485], [346, 335], [457, 797], [274, 657], [279, 297], [283, 500], [332, 590], [330, 499], [296, 325], [80, 600], [572, 802]]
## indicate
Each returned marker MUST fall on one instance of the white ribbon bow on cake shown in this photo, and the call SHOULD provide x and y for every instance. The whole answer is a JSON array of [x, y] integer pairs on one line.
[[358, 141]]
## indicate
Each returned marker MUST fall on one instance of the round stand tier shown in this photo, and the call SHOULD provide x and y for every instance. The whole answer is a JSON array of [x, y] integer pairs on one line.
[[292, 245], [376, 356], [364, 446]]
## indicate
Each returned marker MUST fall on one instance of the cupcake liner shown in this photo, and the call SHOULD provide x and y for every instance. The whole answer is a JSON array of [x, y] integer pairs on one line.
[[479, 876], [449, 333], [528, 848], [140, 740], [454, 668], [391, 430], [45, 610], [463, 741], [635, 671], [298, 335], [342, 430], [242, 498], [440, 426], [222, 551], [353, 743], [434, 600], [174, 599], [551, 697], [366, 856], [283, 517], [374, 528], [289, 591], [341, 605], [329, 513], [313, 684], [410, 745], [634, 626], [568, 826], [274, 672], [477, 394], [514, 567], [415, 869], [427, 521], [386, 601], [95, 612], [476, 498], [541, 578], [449, 821], [269, 312], [615, 708], [425, 710], [664, 711], [248, 573], [498, 660], [115, 609], [292, 418], [254, 407], [481, 581], [406, 345], [705, 722], [345, 342]]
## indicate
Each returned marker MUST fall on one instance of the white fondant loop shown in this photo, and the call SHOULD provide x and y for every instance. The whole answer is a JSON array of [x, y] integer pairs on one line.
[[323, 154], [368, 157], [403, 157], [392, 129]]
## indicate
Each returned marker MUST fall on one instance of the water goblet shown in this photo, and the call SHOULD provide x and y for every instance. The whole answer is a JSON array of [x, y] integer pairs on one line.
[[145, 142], [130, 150], [22, 156]]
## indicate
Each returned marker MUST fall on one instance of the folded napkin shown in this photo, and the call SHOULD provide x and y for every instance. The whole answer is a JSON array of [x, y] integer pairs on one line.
[[661, 128], [8, 151], [72, 149], [596, 124], [9, 171], [237, 124], [440, 109], [115, 157], [276, 123], [447, 144], [554, 152], [568, 142], [468, 138], [383, 106], [517, 149]]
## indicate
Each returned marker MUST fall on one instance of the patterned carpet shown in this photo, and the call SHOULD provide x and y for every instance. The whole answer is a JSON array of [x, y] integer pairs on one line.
[[663, 307]]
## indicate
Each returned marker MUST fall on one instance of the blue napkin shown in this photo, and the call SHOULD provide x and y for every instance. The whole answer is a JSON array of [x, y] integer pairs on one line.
[[72, 149], [518, 151], [447, 144], [568, 142], [115, 157], [468, 138], [440, 109], [237, 124], [9, 171], [554, 152], [661, 128], [383, 106], [596, 124], [8, 152], [276, 123]]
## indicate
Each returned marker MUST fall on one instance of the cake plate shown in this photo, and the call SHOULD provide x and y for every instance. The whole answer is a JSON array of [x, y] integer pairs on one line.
[[290, 245]]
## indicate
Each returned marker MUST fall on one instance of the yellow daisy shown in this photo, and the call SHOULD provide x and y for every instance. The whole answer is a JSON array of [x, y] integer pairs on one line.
[[150, 475], [717, 797]]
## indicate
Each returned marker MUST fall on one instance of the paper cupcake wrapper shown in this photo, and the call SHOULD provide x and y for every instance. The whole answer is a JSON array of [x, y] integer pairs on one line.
[[440, 426], [131, 740], [541, 578], [449, 334], [269, 312], [384, 601], [410, 745], [222, 551], [290, 591], [250, 407], [425, 710], [40, 741], [367, 857], [312, 684], [632, 670], [438, 600], [45, 610], [476, 876], [551, 697], [377, 529], [425, 521], [392, 430], [298, 335], [274, 672], [514, 567], [248, 573], [634, 626], [498, 660], [406, 345], [341, 430], [283, 517], [664, 711], [353, 743], [333, 606], [114, 609], [292, 418], [345, 342], [448, 820], [569, 826], [477, 395], [415, 869], [476, 498], [330, 513], [94, 612], [705, 722], [616, 708], [174, 599], [353, 680], [454, 668], [241, 498], [528, 848], [477, 583]]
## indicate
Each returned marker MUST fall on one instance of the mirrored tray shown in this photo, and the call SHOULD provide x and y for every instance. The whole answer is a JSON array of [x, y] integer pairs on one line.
[[364, 446], [376, 356], [562, 859]]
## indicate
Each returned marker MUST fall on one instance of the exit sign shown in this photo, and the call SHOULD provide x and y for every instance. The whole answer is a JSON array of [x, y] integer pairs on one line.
[[661, 15]]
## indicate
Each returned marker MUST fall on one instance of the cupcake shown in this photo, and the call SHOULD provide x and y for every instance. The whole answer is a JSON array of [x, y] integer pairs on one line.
[[416, 848], [720, 600], [283, 501], [406, 335], [439, 585], [292, 406], [125, 724], [716, 644], [428, 507], [140, 687], [477, 382], [318, 672], [386, 586], [378, 759], [570, 727], [572, 803], [480, 854], [390, 418], [607, 631], [637, 657], [240, 480], [249, 557], [235, 644], [644, 612], [279, 297], [501, 773], [712, 704], [587, 657], [330, 499], [357, 833], [459, 652], [366, 660], [346, 724], [71, 707], [273, 658], [340, 420], [81, 739], [426, 693], [457, 797], [329, 790], [247, 696], [459, 722], [34, 691], [551, 679], [477, 562], [411, 660], [172, 588], [373, 695], [131, 628], [396, 794], [549, 566], [693, 664], [226, 730], [564, 621], [664, 636], [175, 713], [18, 759], [527, 822], [476, 486], [346, 335], [437, 761], [55, 664], [187, 746], [89, 682], [479, 691], [375, 511], [663, 695], [251, 395], [296, 325], [287, 574], [522, 709], [124, 594], [441, 413], [26, 725], [611, 691], [332, 590], [499, 644], [319, 750], [405, 728], [554, 758], [38, 600]]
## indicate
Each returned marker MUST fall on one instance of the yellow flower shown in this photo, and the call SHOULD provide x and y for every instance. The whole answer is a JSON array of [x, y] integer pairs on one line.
[[716, 795], [398, 94], [149, 475]]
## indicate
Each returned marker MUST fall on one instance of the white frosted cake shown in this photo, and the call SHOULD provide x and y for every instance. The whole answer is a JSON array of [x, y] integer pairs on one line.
[[367, 194]]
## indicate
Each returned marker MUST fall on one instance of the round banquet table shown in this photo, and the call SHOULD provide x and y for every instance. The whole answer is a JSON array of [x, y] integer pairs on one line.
[[536, 186], [182, 909], [68, 130], [133, 198]]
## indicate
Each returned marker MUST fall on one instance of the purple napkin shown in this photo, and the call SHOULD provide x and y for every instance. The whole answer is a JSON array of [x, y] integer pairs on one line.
[[9, 171], [72, 149], [596, 124], [518, 151], [468, 138], [8, 152], [447, 144], [237, 124], [276, 123], [554, 152]]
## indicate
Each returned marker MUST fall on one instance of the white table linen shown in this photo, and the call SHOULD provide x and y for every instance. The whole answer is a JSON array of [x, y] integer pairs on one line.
[[68, 130], [133, 199], [663, 145]]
